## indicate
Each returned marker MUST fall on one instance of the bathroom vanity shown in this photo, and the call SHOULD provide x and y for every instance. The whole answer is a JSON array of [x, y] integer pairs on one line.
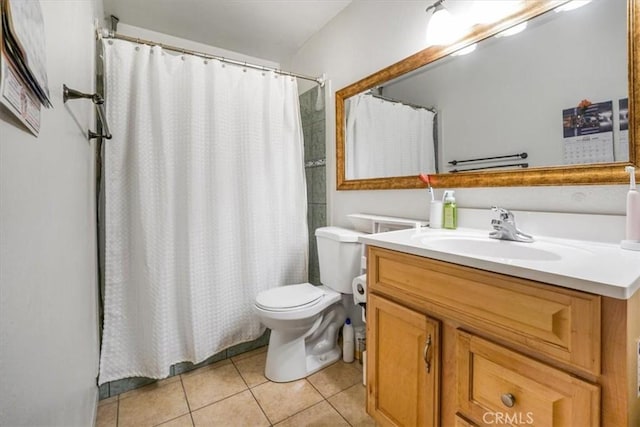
[[463, 339]]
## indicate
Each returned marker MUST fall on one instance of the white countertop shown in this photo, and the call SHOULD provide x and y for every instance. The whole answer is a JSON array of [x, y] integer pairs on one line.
[[595, 267]]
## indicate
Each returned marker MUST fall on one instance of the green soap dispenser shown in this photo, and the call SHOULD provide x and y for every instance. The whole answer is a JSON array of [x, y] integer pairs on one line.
[[450, 211]]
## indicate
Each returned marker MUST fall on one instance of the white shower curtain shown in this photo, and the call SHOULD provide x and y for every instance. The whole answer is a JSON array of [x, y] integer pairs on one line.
[[205, 205], [387, 139]]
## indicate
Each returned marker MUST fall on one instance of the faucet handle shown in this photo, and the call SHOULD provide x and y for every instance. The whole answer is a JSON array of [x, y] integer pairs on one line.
[[505, 214]]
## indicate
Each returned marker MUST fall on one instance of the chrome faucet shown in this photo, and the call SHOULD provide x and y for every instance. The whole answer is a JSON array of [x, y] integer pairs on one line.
[[505, 227]]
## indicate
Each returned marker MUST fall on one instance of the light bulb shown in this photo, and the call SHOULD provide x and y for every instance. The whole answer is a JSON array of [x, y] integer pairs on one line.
[[443, 28]]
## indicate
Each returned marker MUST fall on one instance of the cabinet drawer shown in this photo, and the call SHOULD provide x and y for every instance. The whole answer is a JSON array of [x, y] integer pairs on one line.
[[499, 386], [561, 323]]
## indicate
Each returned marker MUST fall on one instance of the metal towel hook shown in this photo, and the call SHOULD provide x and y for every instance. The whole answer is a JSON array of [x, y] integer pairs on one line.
[[98, 101]]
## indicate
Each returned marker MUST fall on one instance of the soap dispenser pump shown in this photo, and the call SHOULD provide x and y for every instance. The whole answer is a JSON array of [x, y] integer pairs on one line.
[[450, 211], [632, 237]]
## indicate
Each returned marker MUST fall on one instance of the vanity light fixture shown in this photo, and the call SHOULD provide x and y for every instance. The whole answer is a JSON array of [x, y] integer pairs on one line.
[[572, 5], [443, 28]]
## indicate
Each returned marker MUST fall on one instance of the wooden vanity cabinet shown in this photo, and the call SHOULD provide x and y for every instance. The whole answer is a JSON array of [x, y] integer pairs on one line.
[[501, 350], [405, 368]]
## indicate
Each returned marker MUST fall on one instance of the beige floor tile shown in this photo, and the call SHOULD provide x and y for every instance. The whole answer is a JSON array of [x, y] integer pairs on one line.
[[212, 383], [239, 410], [352, 405], [252, 369], [335, 378], [249, 354], [144, 389], [281, 400], [152, 404], [107, 414], [319, 415], [183, 421], [108, 400]]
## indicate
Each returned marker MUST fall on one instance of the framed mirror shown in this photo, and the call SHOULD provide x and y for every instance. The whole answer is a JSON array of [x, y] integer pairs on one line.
[[576, 126]]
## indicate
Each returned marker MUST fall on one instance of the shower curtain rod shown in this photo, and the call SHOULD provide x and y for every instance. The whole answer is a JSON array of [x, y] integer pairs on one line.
[[107, 34], [396, 101]]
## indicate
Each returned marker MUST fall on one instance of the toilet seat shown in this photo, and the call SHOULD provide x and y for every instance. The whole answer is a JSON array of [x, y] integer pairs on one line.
[[291, 297]]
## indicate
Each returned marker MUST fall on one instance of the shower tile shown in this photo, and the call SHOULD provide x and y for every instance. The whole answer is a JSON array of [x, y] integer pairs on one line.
[[127, 384], [351, 404], [315, 279], [318, 215], [154, 385], [152, 405], [320, 185], [264, 339], [307, 135], [281, 400], [308, 172], [238, 410], [183, 421], [335, 378], [317, 143], [107, 415], [103, 391], [318, 115], [316, 185], [309, 224], [212, 383], [244, 347], [314, 266], [252, 369], [321, 414], [181, 368], [249, 354], [305, 106]]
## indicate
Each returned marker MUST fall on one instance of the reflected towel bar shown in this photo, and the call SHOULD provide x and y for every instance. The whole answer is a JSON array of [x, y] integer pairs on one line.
[[520, 155], [98, 101], [521, 165]]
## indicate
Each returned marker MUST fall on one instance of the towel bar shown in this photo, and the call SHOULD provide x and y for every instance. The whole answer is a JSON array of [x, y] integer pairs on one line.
[[98, 101]]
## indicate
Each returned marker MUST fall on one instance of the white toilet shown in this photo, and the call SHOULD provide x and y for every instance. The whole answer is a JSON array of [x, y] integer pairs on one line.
[[305, 319]]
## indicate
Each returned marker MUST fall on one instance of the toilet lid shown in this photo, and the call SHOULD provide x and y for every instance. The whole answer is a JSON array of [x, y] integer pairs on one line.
[[289, 297]]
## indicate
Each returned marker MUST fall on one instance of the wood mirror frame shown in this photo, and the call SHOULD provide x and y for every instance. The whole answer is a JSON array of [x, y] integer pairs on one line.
[[600, 173]]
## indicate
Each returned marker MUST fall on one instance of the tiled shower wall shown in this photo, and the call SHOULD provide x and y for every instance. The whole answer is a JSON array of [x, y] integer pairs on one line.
[[313, 127]]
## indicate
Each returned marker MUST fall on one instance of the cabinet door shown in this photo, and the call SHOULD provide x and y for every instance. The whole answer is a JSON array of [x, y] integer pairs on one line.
[[403, 366]]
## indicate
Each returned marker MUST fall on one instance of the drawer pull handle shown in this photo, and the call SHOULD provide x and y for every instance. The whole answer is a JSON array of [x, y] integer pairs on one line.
[[508, 399], [427, 354]]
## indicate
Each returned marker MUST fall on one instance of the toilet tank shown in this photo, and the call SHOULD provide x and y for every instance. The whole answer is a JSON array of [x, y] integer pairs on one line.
[[339, 254]]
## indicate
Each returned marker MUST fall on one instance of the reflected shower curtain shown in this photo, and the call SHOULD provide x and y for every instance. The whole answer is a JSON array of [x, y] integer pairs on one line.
[[386, 139], [205, 205]]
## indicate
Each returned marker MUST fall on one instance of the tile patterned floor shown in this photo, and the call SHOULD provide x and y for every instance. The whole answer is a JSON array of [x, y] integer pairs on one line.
[[234, 392]]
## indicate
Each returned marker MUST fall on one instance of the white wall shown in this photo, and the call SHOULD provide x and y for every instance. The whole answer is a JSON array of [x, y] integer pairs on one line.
[[155, 36], [367, 36], [48, 284]]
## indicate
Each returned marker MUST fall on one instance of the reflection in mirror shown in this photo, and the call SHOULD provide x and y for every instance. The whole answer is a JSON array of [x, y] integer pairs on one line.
[[385, 137], [551, 96]]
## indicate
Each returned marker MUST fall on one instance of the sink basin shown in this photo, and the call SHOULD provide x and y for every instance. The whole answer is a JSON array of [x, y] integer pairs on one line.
[[491, 248], [481, 246]]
